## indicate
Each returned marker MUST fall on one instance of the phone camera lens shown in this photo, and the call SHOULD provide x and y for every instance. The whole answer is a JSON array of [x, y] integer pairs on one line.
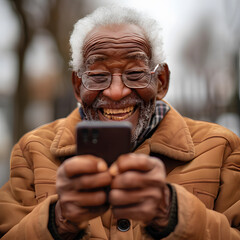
[[95, 135], [85, 135]]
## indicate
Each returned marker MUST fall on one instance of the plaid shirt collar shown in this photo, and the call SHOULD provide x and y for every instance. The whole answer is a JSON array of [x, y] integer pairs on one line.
[[160, 111]]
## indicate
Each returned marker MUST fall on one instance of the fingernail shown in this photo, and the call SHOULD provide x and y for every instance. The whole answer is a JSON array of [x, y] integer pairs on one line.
[[102, 166], [114, 170]]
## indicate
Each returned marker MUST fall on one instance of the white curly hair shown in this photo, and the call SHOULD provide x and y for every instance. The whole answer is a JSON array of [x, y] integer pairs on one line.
[[115, 15]]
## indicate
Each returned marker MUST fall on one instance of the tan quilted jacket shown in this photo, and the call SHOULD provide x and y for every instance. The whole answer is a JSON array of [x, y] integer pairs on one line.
[[202, 161]]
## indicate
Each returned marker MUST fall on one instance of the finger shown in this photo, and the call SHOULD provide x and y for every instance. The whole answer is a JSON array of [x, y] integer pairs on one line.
[[84, 164], [91, 181], [85, 199], [123, 197], [134, 179], [132, 161], [77, 214], [144, 211]]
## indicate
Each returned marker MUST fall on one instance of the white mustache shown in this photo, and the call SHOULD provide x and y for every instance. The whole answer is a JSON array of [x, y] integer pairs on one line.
[[104, 102]]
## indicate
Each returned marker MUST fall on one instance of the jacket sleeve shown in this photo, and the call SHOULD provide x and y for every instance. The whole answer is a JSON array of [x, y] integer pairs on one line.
[[197, 222], [20, 216]]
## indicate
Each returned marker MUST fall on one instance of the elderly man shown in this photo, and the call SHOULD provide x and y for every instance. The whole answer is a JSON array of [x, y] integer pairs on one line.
[[181, 180]]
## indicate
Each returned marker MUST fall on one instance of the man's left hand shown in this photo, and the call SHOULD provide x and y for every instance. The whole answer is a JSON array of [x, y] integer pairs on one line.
[[139, 190]]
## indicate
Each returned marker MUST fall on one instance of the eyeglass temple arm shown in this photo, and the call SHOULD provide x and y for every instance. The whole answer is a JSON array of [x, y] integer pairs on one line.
[[154, 70]]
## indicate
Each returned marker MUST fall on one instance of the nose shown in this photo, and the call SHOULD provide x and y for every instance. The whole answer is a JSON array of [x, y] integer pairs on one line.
[[117, 90]]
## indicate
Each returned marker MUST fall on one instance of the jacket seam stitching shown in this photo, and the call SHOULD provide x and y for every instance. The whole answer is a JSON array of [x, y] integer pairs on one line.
[[221, 137]]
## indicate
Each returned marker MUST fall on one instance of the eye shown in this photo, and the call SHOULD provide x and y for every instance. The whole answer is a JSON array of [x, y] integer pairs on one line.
[[98, 77], [135, 75]]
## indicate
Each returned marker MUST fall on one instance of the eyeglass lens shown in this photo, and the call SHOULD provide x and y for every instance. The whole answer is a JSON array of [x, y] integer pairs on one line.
[[100, 80]]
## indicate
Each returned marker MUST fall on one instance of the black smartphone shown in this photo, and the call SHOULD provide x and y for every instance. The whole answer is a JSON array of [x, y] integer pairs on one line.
[[103, 139]]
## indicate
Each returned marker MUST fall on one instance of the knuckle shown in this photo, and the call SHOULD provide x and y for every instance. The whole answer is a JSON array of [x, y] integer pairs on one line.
[[61, 187], [66, 210], [144, 162], [67, 214], [91, 199], [113, 196], [122, 160], [83, 183], [61, 171], [148, 211], [153, 193], [129, 179], [100, 198], [159, 162]]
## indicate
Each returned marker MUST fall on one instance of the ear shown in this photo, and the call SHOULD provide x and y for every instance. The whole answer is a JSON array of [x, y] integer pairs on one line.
[[76, 82], [163, 81]]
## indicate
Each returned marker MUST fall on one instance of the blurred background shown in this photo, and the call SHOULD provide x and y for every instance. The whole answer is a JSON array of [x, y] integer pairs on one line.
[[202, 48]]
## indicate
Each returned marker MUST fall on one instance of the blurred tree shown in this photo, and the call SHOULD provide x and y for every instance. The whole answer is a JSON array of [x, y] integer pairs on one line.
[[20, 97], [57, 17]]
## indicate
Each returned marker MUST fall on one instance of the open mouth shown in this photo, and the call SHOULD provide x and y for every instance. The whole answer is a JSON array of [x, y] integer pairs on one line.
[[118, 114]]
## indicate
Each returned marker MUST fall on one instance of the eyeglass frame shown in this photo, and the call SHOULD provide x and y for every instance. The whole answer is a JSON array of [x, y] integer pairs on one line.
[[116, 74]]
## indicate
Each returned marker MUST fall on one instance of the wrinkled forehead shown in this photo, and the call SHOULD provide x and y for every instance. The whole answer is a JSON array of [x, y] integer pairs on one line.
[[123, 38]]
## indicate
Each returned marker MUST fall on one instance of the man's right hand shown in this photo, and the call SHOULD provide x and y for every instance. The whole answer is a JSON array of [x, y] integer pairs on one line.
[[80, 185]]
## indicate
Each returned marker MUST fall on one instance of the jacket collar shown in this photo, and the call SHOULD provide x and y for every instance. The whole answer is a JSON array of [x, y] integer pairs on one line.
[[172, 138], [64, 143]]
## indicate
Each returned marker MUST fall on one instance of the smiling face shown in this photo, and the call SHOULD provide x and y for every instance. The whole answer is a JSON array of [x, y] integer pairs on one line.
[[117, 49]]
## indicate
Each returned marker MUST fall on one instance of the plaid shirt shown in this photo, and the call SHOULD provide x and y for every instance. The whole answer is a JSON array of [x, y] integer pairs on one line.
[[160, 111]]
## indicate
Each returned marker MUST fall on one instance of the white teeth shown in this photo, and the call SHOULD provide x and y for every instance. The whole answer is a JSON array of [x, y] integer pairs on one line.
[[118, 114], [117, 111], [118, 118]]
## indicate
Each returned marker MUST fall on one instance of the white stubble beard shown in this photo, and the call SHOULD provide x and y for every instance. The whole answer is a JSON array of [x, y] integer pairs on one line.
[[146, 111]]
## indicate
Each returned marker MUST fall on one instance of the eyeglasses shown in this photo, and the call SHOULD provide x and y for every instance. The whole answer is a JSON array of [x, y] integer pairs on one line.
[[133, 78]]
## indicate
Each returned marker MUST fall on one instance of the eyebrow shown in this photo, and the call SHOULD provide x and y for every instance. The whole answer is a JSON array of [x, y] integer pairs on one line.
[[91, 60], [138, 56]]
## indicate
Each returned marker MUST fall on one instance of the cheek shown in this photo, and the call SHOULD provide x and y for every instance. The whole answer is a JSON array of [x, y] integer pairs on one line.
[[87, 96], [148, 93]]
